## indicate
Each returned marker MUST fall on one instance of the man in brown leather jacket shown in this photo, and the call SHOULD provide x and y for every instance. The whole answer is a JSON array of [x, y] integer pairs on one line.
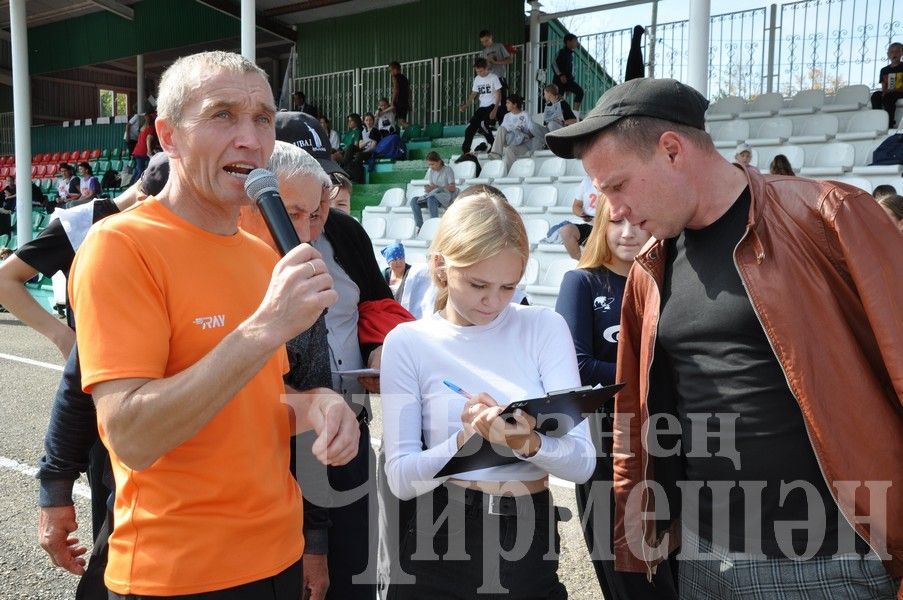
[[761, 428]]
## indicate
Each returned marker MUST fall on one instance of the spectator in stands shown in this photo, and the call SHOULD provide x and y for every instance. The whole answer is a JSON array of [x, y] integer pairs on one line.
[[487, 88], [744, 157], [385, 116], [88, 183], [558, 112], [893, 206], [398, 268], [340, 192], [702, 332], [883, 190], [7, 207], [440, 191], [401, 94], [574, 235], [158, 441], [369, 134], [69, 187], [515, 137], [326, 124], [300, 103], [498, 58], [590, 302], [500, 351], [891, 80], [145, 145], [780, 165], [350, 143], [564, 71], [132, 129]]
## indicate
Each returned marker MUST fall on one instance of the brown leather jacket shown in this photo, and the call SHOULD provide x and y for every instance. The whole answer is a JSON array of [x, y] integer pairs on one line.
[[823, 267]]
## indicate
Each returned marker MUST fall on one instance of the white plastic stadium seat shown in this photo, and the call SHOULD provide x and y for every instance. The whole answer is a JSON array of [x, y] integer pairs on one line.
[[865, 125], [539, 198], [546, 292], [805, 102], [464, 170], [492, 169], [536, 230], [573, 172], [727, 134], [765, 105], [851, 97], [551, 168], [374, 226], [398, 228], [522, 167], [531, 272], [725, 109], [816, 129], [514, 194], [795, 154], [426, 234], [391, 198], [772, 132], [831, 159]]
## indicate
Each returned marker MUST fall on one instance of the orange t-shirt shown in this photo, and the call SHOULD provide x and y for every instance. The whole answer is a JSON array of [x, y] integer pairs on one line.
[[153, 294]]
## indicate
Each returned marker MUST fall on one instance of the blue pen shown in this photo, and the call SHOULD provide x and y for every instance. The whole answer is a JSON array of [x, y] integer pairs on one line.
[[456, 389]]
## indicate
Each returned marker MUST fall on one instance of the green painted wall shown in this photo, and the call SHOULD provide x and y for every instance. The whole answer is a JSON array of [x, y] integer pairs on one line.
[[6, 98], [56, 138], [407, 32], [102, 36]]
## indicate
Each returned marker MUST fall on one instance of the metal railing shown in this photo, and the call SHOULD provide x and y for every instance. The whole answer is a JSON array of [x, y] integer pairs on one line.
[[817, 44]]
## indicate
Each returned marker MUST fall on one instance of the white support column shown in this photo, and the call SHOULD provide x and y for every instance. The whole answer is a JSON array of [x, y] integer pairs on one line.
[[650, 35], [698, 67], [139, 83], [248, 30], [21, 118], [533, 103]]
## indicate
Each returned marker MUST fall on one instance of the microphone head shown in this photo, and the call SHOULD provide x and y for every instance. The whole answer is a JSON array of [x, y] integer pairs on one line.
[[259, 181]]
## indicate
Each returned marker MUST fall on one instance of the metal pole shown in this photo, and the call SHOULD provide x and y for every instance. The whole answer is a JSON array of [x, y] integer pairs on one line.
[[533, 103], [248, 26], [698, 71], [651, 37], [21, 118], [772, 36], [139, 84], [437, 81]]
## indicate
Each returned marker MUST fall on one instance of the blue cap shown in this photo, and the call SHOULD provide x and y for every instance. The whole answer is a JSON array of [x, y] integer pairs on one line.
[[393, 251]]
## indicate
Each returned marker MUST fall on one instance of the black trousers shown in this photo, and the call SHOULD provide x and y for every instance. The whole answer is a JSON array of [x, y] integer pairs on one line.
[[887, 102], [481, 122], [474, 554], [571, 86], [595, 498], [282, 586]]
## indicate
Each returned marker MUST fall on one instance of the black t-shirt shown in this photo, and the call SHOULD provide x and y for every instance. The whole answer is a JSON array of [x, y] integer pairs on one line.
[[722, 362], [52, 250], [897, 86]]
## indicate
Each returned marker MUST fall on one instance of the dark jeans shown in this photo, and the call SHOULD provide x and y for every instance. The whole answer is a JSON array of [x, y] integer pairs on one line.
[[571, 86], [598, 531], [351, 526], [91, 585], [500, 113], [887, 102], [479, 121], [282, 586], [474, 554]]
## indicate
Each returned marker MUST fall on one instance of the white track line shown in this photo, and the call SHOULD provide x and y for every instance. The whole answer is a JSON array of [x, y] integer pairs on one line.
[[29, 361], [80, 489]]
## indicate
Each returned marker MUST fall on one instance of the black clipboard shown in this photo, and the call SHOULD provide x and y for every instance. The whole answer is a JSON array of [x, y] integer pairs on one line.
[[556, 414]]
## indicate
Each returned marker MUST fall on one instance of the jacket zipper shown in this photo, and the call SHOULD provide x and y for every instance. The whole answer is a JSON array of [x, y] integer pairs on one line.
[[760, 255], [647, 562]]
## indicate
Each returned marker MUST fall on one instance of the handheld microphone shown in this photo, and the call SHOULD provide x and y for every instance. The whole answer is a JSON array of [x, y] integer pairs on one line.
[[263, 188]]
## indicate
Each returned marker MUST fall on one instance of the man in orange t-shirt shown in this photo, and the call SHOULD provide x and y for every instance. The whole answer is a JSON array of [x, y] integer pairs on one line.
[[182, 319]]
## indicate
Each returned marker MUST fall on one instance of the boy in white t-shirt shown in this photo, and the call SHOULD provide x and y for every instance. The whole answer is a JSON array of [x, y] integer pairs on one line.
[[574, 235], [487, 87]]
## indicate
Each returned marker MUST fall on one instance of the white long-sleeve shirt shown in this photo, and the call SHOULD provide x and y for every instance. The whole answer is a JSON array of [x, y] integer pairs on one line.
[[524, 353]]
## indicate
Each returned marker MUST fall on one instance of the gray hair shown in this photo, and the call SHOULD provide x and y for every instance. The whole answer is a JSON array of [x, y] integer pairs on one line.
[[183, 78], [289, 161]]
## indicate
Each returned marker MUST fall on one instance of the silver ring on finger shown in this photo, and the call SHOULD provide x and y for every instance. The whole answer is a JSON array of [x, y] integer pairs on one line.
[[313, 270]]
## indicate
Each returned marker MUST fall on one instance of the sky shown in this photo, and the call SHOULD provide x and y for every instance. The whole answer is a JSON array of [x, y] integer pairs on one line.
[[622, 18]]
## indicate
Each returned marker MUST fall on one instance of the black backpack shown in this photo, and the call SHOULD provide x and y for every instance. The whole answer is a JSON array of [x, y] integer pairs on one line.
[[890, 152]]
